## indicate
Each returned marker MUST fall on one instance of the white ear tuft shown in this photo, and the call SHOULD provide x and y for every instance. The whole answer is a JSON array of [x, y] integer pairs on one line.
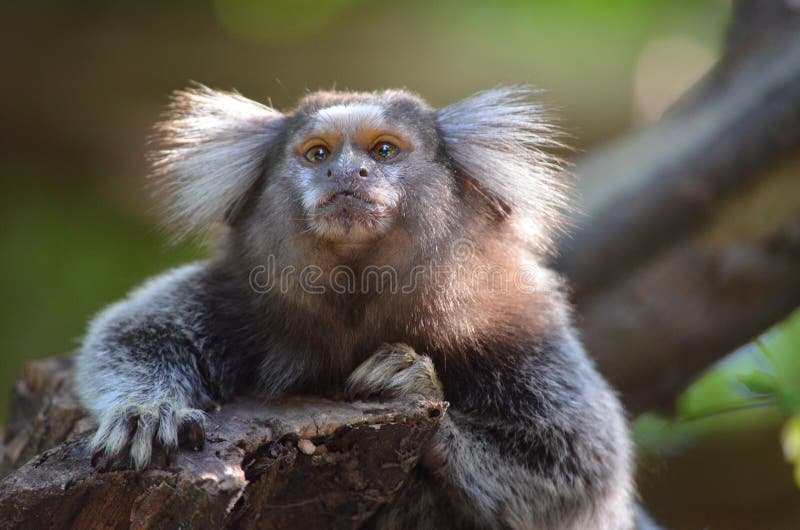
[[212, 147], [499, 138]]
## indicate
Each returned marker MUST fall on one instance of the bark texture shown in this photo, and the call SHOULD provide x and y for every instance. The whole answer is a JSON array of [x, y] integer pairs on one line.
[[301, 461]]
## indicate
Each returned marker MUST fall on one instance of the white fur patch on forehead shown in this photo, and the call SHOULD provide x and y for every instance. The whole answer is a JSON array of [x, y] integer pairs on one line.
[[350, 118]]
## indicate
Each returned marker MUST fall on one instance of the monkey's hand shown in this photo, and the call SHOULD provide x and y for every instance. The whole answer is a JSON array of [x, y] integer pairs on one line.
[[395, 370], [137, 427]]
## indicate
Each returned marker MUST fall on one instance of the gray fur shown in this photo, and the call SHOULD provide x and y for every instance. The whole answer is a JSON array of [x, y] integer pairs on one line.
[[121, 371], [533, 438], [490, 487]]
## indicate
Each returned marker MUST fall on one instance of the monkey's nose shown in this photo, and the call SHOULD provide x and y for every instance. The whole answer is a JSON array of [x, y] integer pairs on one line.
[[348, 175]]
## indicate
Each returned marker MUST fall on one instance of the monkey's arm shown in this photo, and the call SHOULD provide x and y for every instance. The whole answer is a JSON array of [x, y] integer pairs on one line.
[[138, 369], [533, 441]]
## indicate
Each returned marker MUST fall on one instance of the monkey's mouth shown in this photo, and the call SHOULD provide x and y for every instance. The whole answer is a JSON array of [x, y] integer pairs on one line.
[[348, 214], [345, 197]]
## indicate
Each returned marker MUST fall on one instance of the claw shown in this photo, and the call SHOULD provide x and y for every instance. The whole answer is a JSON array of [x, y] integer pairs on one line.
[[192, 435], [97, 456]]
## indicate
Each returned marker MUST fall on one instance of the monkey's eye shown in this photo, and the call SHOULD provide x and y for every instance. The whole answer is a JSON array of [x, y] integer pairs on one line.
[[384, 151], [317, 154]]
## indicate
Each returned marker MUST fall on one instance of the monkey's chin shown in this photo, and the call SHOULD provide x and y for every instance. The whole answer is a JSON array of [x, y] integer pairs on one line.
[[351, 221]]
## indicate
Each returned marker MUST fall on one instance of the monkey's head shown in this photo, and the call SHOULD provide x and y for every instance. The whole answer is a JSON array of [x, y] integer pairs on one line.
[[356, 166], [349, 172]]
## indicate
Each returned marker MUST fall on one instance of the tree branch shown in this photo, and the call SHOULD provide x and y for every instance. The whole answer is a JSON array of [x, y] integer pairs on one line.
[[719, 139], [658, 302], [653, 333]]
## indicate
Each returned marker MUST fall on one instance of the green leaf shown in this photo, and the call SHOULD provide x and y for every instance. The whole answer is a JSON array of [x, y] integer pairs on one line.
[[759, 382]]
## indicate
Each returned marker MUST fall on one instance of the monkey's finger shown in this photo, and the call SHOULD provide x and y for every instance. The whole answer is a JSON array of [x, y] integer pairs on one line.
[[109, 423], [113, 435], [167, 435], [142, 444]]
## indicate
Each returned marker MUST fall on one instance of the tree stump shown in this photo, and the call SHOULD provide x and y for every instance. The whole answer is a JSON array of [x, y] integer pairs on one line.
[[300, 460]]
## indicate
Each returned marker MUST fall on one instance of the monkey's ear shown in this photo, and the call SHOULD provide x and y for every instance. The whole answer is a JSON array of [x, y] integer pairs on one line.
[[211, 150], [500, 139]]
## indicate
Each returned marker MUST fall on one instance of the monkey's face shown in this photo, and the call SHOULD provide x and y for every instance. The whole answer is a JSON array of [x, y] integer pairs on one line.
[[351, 164], [359, 171]]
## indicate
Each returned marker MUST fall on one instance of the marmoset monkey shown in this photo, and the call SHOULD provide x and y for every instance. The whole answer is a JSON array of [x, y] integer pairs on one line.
[[378, 246]]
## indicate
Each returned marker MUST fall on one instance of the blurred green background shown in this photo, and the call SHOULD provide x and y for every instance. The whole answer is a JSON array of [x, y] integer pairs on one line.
[[82, 84]]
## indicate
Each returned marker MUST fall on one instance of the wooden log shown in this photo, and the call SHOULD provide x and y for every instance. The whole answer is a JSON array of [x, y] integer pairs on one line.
[[301, 460]]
